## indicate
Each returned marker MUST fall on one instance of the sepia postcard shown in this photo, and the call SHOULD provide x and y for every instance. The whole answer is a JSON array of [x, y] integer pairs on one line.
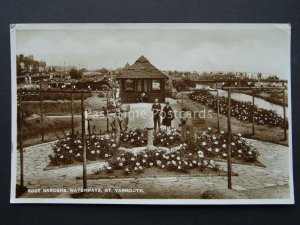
[[151, 114]]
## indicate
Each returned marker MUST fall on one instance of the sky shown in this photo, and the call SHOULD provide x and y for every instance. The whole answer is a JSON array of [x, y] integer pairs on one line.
[[242, 48]]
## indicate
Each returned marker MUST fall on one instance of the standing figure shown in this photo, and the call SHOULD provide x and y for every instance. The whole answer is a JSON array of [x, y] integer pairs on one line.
[[156, 109], [168, 116], [116, 125], [187, 128]]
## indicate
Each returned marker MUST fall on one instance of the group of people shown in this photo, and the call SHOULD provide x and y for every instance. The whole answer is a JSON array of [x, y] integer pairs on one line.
[[186, 121]]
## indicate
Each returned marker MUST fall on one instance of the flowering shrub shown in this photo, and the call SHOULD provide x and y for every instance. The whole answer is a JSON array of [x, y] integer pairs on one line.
[[167, 138], [138, 137], [214, 144], [240, 110], [159, 158], [69, 149]]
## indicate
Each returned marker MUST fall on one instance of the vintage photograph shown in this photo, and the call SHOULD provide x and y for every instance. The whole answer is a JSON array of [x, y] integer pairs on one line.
[[151, 114]]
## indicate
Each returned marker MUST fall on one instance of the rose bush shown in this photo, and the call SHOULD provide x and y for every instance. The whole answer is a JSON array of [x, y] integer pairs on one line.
[[214, 144], [138, 137], [159, 158], [69, 149]]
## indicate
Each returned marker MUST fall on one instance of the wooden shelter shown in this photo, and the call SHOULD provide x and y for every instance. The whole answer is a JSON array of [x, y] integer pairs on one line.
[[142, 79]]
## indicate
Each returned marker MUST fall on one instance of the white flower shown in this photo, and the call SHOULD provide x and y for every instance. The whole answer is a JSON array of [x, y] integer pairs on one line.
[[123, 159], [217, 150], [93, 152], [114, 145], [224, 154], [239, 134], [106, 155], [211, 161], [250, 153], [162, 166], [132, 159], [216, 142], [209, 149], [240, 151], [209, 128], [135, 168], [200, 153], [78, 154], [214, 137], [98, 151], [151, 164], [178, 158], [62, 156], [222, 132], [224, 145], [158, 162], [80, 146], [144, 160], [232, 143], [58, 149], [140, 167], [120, 164], [203, 143], [137, 164], [179, 167]]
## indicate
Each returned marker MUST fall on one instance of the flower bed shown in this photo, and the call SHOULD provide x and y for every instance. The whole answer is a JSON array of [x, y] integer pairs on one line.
[[214, 144], [159, 158], [69, 149], [201, 153], [240, 110], [176, 156], [138, 137]]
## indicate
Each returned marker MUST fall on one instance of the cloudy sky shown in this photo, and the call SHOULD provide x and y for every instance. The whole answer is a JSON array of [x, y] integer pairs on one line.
[[244, 48]]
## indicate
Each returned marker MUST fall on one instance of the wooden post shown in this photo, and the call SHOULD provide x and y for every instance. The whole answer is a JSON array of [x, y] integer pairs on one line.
[[284, 115], [83, 143], [72, 113], [253, 111], [107, 120], [181, 99], [229, 140], [218, 110], [41, 112], [21, 142]]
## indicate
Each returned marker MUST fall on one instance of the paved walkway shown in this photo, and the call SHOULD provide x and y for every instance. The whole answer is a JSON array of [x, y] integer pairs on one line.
[[144, 112], [274, 157]]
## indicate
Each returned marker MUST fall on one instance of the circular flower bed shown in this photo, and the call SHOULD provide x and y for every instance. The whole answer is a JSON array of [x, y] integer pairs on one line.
[[240, 110], [201, 153], [69, 149]]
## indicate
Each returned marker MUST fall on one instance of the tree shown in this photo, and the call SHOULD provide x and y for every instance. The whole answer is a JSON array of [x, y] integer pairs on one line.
[[75, 74]]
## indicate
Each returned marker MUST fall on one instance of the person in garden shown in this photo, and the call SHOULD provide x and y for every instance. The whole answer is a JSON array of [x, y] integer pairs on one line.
[[187, 128], [156, 109], [116, 125], [168, 116]]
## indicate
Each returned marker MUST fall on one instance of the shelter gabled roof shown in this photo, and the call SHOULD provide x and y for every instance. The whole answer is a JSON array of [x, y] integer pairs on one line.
[[142, 68]]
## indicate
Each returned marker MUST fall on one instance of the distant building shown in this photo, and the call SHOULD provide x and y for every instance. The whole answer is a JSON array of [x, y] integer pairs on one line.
[[142, 77]]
